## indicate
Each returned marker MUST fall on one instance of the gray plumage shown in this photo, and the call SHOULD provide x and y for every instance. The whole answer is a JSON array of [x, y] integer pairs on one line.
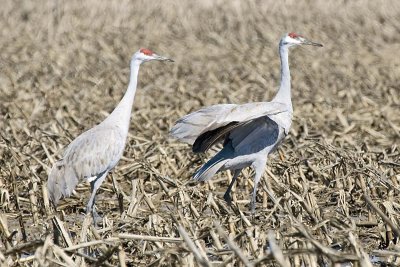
[[91, 155], [95, 152], [249, 131]]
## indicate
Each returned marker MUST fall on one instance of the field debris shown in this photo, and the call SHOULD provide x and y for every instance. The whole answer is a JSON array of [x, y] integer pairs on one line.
[[330, 195]]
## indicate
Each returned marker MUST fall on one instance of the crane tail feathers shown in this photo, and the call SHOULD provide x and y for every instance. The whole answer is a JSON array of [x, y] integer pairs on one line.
[[208, 170], [186, 131], [210, 138], [61, 182], [191, 126]]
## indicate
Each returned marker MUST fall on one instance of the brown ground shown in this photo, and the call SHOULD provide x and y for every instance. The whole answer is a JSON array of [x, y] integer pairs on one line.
[[330, 195]]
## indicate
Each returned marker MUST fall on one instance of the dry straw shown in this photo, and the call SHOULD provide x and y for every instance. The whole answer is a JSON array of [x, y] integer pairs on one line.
[[330, 194]]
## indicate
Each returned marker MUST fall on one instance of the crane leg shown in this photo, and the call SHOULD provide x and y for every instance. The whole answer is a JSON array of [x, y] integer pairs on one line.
[[227, 195], [259, 170], [94, 186]]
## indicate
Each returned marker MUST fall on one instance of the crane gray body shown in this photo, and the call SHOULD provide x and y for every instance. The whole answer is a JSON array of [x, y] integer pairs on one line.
[[260, 128], [95, 152], [249, 132], [88, 158]]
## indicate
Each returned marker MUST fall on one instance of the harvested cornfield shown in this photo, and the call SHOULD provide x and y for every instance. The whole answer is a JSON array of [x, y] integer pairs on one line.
[[330, 195]]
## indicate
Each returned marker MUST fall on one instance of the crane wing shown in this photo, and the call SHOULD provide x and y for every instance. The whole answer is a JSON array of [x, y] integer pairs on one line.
[[254, 136], [210, 124], [95, 151], [241, 142], [209, 138], [87, 157]]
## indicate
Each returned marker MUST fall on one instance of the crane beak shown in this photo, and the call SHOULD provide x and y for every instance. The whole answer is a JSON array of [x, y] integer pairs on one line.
[[307, 42], [160, 58]]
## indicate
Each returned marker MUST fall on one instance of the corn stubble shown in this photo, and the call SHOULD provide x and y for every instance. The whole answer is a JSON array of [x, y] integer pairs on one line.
[[330, 194]]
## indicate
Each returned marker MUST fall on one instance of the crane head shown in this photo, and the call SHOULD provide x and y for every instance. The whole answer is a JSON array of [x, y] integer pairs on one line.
[[144, 55], [293, 39]]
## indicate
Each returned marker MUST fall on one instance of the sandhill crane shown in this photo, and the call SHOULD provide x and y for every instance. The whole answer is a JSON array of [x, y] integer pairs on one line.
[[249, 131], [95, 152]]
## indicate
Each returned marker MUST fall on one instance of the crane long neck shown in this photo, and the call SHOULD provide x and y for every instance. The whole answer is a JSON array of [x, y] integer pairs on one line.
[[122, 113], [284, 95]]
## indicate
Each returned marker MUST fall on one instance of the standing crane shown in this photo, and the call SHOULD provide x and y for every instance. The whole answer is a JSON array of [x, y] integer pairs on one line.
[[95, 152], [249, 132]]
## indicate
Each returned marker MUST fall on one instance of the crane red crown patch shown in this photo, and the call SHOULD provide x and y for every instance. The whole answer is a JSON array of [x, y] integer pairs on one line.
[[294, 35], [147, 52]]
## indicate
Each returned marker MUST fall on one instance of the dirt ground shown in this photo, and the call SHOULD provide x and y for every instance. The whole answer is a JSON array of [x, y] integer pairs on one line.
[[330, 195]]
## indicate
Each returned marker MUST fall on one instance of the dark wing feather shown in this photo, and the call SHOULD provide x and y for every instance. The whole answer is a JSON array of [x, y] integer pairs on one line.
[[209, 138]]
